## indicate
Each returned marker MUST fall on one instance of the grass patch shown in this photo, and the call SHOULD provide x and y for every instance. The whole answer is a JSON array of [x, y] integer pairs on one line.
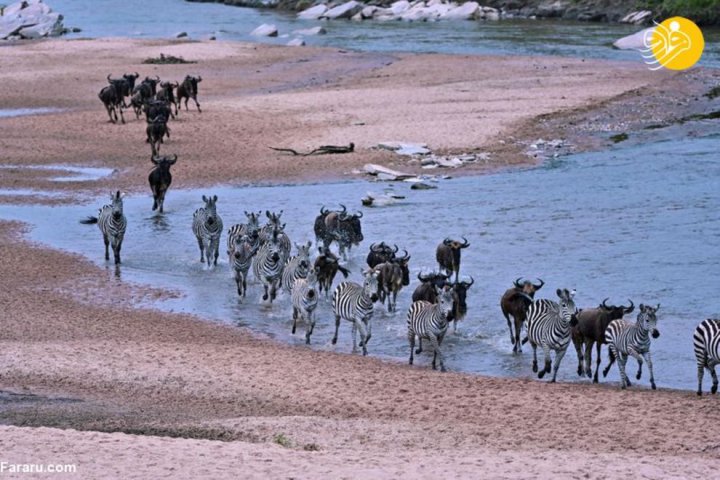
[[166, 60], [620, 137], [311, 447], [282, 440], [713, 93]]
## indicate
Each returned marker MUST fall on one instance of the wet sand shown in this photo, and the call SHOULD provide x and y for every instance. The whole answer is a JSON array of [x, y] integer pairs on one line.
[[88, 378]]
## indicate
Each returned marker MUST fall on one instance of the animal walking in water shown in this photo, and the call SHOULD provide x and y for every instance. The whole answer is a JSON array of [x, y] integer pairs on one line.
[[207, 227], [112, 224], [429, 321], [706, 342], [160, 179], [304, 301], [354, 303]]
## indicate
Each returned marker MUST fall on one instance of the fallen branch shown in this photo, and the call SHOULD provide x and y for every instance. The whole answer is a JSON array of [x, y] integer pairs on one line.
[[322, 150]]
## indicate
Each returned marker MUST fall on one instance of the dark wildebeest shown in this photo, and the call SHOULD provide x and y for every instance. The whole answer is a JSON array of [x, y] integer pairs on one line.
[[109, 96], [392, 276], [165, 94], [460, 306], [160, 179], [515, 303], [188, 89], [156, 129], [326, 266], [319, 227], [147, 88], [381, 253], [448, 255], [124, 86], [592, 323], [429, 287], [343, 228]]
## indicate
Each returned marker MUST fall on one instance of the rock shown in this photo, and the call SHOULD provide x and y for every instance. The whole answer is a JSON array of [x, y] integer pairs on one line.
[[311, 31], [346, 10], [422, 186], [466, 11], [445, 162], [384, 173], [313, 13], [10, 28], [369, 12], [265, 30], [402, 148], [75, 29], [491, 14], [51, 28], [181, 35], [637, 18], [636, 41], [212, 38], [400, 7], [30, 19], [296, 42]]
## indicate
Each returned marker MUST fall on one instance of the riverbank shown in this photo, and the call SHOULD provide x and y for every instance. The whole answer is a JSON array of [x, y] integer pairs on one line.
[[134, 393]]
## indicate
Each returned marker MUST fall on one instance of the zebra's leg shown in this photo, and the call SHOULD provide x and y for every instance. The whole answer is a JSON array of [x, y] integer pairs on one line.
[[273, 291], [558, 358], [621, 360], [337, 327], [364, 336], [202, 249], [714, 387], [534, 364], [419, 349], [265, 295], [611, 360], [639, 359], [598, 347], [107, 245], [700, 373], [648, 359], [411, 341], [354, 335], [548, 365], [309, 326], [217, 252], [368, 327], [438, 353], [294, 317], [116, 246]]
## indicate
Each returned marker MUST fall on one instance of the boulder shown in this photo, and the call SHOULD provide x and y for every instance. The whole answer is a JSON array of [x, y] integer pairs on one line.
[[422, 186], [384, 173], [313, 13], [492, 14], [346, 10], [398, 8], [636, 41], [47, 29], [307, 32], [10, 28], [181, 35], [369, 12], [30, 19], [265, 30], [466, 11], [403, 148], [296, 42]]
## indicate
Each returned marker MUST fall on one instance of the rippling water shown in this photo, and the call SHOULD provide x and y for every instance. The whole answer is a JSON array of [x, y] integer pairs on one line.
[[164, 18], [638, 222]]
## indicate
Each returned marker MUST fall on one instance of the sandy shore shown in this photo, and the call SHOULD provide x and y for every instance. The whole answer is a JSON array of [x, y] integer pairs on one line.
[[120, 392]]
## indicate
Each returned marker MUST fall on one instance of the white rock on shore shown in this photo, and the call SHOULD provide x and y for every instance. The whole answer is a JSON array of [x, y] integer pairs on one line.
[[30, 19], [416, 11], [466, 11], [346, 10], [636, 41], [296, 42], [307, 32], [265, 30], [313, 13]]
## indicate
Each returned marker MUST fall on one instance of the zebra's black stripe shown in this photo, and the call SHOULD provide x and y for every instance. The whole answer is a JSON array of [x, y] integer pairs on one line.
[[207, 227], [112, 224], [354, 303], [429, 321], [706, 343]]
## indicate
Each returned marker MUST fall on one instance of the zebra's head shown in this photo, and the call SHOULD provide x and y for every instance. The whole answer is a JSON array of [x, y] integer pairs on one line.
[[647, 319], [446, 300], [210, 209], [253, 221], [117, 204], [567, 305], [311, 278], [370, 285], [244, 248]]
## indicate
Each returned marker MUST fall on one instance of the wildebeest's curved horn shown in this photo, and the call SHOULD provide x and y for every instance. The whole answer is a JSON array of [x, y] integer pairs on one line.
[[395, 250], [375, 249], [174, 158], [447, 241], [465, 243], [539, 286], [158, 78], [358, 215], [517, 283], [137, 75], [422, 278], [472, 280], [199, 78], [404, 257], [605, 305], [344, 208], [630, 308]]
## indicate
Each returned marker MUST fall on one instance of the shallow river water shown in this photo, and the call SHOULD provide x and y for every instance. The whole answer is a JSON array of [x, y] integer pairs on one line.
[[637, 222]]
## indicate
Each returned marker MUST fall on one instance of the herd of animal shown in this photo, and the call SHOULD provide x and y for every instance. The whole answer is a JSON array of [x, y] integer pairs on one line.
[[437, 301]]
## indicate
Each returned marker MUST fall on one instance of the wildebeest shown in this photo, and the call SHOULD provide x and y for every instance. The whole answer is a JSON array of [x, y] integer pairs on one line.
[[459, 296], [188, 89], [514, 303], [319, 227], [430, 286], [326, 266], [459, 310], [156, 129], [381, 253], [392, 276], [448, 255], [109, 96], [123, 86], [160, 179], [592, 323], [165, 94], [156, 108], [147, 88], [343, 228]]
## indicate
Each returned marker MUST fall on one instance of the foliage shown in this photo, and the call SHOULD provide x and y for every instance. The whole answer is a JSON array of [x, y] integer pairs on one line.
[[703, 12]]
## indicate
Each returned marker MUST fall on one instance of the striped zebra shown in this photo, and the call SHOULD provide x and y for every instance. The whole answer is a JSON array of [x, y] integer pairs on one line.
[[268, 266], [706, 341], [354, 303], [549, 325], [296, 267], [251, 229], [429, 321], [267, 231], [240, 262], [207, 227], [625, 338], [112, 224], [304, 302]]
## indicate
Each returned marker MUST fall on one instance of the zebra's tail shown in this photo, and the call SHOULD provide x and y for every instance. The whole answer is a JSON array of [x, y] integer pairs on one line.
[[344, 271], [89, 220]]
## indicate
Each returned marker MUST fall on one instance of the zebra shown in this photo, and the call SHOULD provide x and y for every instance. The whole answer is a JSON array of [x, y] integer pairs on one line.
[[624, 338], [267, 231], [427, 320], [251, 229], [240, 262], [706, 341], [304, 302], [268, 266], [548, 325], [296, 267], [112, 224], [207, 227], [354, 303]]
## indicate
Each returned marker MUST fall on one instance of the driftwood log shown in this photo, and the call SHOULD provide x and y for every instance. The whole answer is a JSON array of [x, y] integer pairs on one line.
[[321, 150]]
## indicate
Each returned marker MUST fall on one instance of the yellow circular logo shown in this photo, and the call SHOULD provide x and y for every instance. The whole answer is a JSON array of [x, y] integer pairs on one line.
[[676, 44]]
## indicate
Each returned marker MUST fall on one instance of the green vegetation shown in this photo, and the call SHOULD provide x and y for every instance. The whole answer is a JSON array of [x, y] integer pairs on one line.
[[282, 440], [166, 59], [620, 137], [713, 93], [702, 12]]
